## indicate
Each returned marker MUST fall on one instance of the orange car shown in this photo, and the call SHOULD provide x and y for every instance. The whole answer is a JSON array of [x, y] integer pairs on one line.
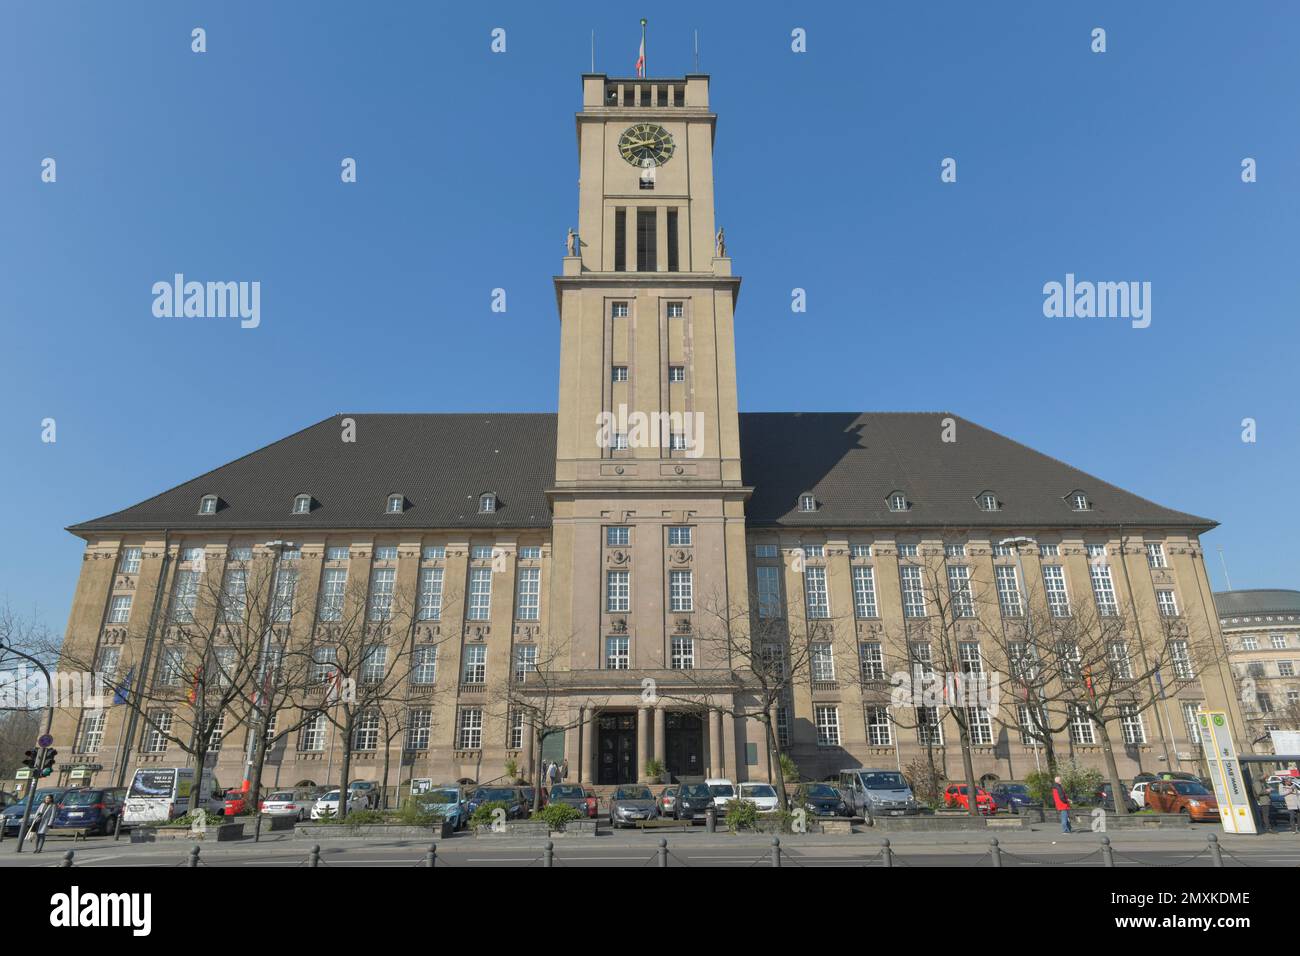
[[1183, 796], [955, 796]]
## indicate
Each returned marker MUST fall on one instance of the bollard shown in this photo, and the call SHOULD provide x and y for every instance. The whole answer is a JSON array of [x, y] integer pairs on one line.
[[548, 856], [431, 858], [117, 828], [776, 851], [1216, 851], [710, 820], [663, 853], [194, 857], [67, 859], [995, 851], [313, 859], [886, 854], [257, 829], [1107, 854]]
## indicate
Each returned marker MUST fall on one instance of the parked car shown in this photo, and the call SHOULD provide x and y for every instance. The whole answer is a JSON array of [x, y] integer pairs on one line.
[[762, 795], [632, 804], [957, 796], [576, 796], [723, 791], [1013, 796], [89, 809], [693, 800], [326, 805], [528, 798], [449, 802], [363, 795], [1106, 800], [877, 793], [518, 807], [12, 815], [235, 802], [1183, 796], [824, 800], [287, 803], [668, 802], [1139, 792]]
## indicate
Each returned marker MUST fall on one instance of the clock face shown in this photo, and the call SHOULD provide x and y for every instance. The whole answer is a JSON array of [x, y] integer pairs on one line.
[[646, 144]]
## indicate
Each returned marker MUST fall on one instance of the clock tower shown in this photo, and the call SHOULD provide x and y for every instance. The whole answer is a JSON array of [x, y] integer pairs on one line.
[[648, 502]]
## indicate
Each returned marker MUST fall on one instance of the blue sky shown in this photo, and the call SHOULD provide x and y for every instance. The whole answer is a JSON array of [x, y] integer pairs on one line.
[[375, 296]]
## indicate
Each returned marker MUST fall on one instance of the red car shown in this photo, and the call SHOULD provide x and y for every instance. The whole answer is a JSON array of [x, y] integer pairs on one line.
[[955, 796], [236, 802]]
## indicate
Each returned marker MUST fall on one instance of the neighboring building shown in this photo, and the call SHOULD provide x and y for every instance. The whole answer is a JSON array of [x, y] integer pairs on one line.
[[1261, 629], [481, 542]]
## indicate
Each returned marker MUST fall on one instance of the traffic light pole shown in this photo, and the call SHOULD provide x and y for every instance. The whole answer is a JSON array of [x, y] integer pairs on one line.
[[40, 760]]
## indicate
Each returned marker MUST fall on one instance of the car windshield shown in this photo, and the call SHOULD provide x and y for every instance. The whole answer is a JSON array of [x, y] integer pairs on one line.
[[565, 791], [884, 781], [442, 796], [1190, 789], [496, 793], [822, 792], [759, 790], [1016, 788], [722, 790], [633, 793], [282, 797], [696, 790], [332, 796], [82, 798]]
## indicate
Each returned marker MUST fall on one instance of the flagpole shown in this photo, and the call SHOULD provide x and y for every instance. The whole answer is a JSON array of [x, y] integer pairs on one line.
[[645, 60]]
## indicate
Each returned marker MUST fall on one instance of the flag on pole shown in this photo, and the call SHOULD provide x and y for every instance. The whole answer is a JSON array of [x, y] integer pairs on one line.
[[124, 688], [640, 60]]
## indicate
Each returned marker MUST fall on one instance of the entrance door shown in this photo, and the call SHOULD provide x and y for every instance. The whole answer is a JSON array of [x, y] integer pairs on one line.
[[616, 749], [684, 745]]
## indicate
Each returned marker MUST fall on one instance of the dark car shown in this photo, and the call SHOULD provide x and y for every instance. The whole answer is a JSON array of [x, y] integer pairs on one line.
[[517, 806], [1104, 799], [824, 800], [89, 809], [574, 795], [528, 798], [632, 804], [693, 799], [13, 814], [1013, 796]]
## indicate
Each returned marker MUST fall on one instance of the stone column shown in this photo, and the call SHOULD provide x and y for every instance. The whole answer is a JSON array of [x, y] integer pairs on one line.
[[731, 761], [588, 744], [660, 753], [642, 741], [715, 744]]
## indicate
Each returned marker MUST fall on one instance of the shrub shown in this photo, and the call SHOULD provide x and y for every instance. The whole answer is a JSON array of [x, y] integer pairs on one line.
[[789, 769], [557, 815], [483, 816], [413, 813], [1080, 782], [741, 815], [926, 781], [654, 768]]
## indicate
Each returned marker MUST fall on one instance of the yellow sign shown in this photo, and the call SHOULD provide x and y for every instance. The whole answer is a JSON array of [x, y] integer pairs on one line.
[[1235, 810]]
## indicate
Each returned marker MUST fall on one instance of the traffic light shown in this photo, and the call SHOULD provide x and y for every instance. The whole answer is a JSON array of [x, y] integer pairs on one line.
[[47, 766], [29, 761]]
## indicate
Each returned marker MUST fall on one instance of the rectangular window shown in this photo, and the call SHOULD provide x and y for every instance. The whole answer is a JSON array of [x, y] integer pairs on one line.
[[618, 590], [324, 663], [679, 537], [1278, 642], [215, 734], [677, 441], [192, 556], [1049, 550], [1103, 590], [864, 591], [1250, 643], [618, 373], [474, 670], [872, 658], [528, 594], [959, 592], [374, 663], [1002, 551], [683, 654], [677, 373], [160, 725], [515, 739], [387, 552], [1070, 660], [365, 732], [130, 563], [907, 550], [239, 554], [171, 668], [1167, 603], [119, 611], [1120, 662], [617, 653], [525, 661], [1192, 724], [1081, 728], [234, 595], [286, 586], [1285, 669], [828, 726], [434, 552], [337, 553], [424, 664], [530, 552], [954, 550], [419, 723], [860, 550], [382, 583], [331, 594], [816, 597], [929, 727], [1008, 590], [913, 592], [1030, 734], [1156, 556], [314, 732], [1058, 599], [108, 661], [1131, 720], [968, 653], [879, 731], [92, 732], [1182, 658], [620, 240], [814, 550], [681, 591], [769, 590], [429, 601], [783, 726], [184, 596], [480, 594], [674, 261], [822, 661], [647, 245], [618, 537], [979, 726], [765, 551], [481, 552]]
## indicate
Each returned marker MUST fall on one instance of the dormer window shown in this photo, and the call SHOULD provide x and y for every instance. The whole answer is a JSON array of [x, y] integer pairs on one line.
[[208, 505], [898, 501], [988, 501], [807, 502], [1079, 501], [396, 504], [302, 505], [487, 504]]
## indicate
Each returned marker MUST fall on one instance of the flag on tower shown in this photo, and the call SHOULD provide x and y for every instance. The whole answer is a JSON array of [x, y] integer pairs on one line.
[[640, 60]]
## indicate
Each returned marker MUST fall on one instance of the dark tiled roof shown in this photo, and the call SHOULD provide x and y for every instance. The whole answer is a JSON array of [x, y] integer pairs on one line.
[[850, 461], [1257, 601]]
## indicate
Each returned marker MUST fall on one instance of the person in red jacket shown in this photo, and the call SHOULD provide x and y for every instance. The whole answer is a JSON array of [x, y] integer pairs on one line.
[[1062, 802]]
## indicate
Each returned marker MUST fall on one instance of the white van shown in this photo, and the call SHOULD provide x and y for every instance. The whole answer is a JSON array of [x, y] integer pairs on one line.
[[163, 793]]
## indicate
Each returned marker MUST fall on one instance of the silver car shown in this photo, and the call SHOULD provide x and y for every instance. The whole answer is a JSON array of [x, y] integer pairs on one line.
[[632, 804], [288, 803]]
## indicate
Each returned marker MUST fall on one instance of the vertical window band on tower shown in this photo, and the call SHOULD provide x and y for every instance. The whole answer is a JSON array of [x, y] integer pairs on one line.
[[646, 240], [673, 264], [620, 240]]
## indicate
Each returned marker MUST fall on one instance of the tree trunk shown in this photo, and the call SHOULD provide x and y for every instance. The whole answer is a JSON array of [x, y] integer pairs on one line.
[[1112, 770], [345, 766], [538, 768], [388, 760], [259, 761], [774, 748], [968, 764]]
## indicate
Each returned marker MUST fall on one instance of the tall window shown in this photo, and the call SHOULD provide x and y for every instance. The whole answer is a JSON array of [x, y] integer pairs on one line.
[[816, 597], [1081, 729], [620, 240], [971, 660], [1008, 590], [171, 669], [418, 725], [1131, 720], [286, 586], [429, 602], [480, 594], [864, 591], [119, 610], [1058, 599], [374, 663], [515, 738], [184, 596], [769, 590], [979, 726], [1167, 603], [1190, 721], [783, 726], [234, 595], [1103, 590], [618, 537], [913, 591], [324, 663], [929, 727], [1156, 555], [1182, 657], [1120, 662], [681, 591], [963, 604], [618, 655], [683, 653], [475, 669], [823, 662], [828, 726], [618, 590], [879, 731], [922, 660], [130, 562], [1070, 659], [528, 593], [365, 732], [424, 664], [216, 733], [92, 732], [331, 594], [673, 258], [646, 240], [872, 659], [382, 582], [108, 661], [1030, 734], [160, 725], [314, 733], [469, 732], [525, 661]]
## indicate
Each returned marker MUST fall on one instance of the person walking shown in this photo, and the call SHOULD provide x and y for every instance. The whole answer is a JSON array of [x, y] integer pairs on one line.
[[1292, 800], [41, 822], [564, 770], [1062, 801]]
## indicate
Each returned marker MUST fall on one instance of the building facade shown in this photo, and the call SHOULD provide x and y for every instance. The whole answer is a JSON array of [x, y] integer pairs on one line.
[[1262, 631], [622, 560]]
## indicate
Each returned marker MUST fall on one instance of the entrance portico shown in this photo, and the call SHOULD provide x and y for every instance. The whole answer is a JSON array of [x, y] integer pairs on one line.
[[617, 744]]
